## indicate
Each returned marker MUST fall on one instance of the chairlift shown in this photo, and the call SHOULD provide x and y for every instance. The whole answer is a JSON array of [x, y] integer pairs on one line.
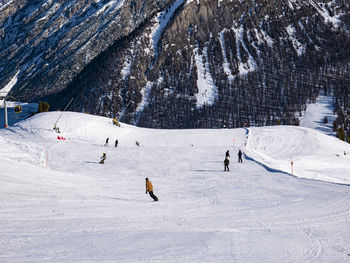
[[18, 109]]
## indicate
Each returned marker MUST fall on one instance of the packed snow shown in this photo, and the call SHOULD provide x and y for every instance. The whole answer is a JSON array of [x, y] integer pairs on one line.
[[58, 204], [314, 116]]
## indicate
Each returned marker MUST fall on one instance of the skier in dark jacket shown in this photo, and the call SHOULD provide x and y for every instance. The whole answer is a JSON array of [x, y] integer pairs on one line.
[[240, 156], [116, 143], [106, 143], [227, 154], [149, 189], [226, 163], [103, 158]]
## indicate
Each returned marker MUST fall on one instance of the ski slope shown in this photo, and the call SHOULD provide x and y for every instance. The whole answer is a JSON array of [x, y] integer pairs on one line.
[[58, 204]]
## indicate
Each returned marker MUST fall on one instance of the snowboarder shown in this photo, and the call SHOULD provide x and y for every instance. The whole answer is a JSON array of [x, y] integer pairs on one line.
[[240, 156], [227, 154], [103, 158], [137, 143], [226, 163], [116, 143], [106, 143], [116, 122], [149, 189]]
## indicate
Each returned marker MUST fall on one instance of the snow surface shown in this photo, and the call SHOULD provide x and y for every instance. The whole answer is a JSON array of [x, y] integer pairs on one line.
[[58, 204], [315, 113]]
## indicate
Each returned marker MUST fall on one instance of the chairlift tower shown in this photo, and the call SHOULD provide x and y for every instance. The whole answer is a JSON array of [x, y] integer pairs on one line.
[[5, 98]]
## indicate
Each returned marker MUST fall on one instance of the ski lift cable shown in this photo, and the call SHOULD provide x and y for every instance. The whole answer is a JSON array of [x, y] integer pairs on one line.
[[55, 125], [121, 113]]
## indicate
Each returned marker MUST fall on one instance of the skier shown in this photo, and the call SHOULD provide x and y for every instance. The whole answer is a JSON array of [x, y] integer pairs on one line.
[[226, 163], [240, 156], [137, 143], [227, 154], [116, 143], [106, 143], [103, 158], [149, 189]]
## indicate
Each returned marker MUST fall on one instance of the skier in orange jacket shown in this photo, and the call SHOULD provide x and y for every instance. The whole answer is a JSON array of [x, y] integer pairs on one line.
[[149, 189]]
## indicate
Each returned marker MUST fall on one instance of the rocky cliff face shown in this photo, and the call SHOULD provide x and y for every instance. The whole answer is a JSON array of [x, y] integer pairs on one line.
[[181, 64], [47, 43]]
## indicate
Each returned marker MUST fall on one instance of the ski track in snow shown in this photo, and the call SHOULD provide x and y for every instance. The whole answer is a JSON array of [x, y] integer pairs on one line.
[[77, 210]]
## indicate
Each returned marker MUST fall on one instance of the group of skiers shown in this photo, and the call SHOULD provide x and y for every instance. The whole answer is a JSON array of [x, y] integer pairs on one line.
[[227, 161], [104, 157], [115, 144], [149, 186]]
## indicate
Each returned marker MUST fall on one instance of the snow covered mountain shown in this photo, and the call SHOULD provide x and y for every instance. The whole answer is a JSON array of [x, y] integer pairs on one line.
[[47, 43], [58, 204], [177, 63]]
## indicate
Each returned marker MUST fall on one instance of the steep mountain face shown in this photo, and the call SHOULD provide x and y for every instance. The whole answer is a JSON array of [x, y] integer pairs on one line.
[[46, 43], [182, 64]]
